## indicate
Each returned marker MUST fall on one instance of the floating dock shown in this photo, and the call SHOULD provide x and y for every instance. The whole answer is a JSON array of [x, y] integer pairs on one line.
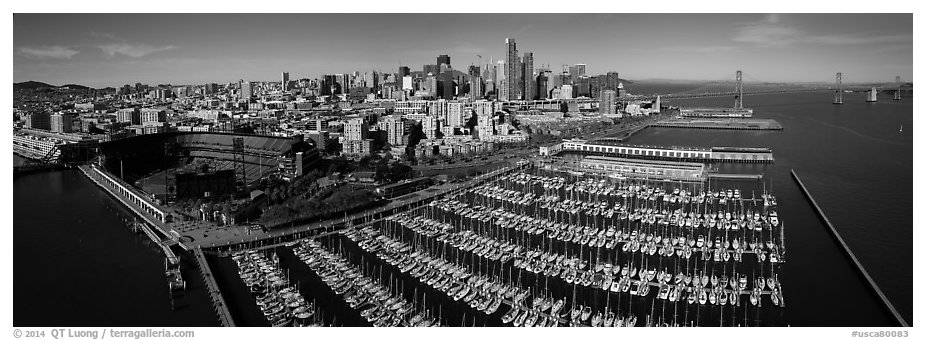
[[848, 252]]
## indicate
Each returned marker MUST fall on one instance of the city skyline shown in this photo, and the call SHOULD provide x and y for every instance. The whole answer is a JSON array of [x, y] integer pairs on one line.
[[101, 50]]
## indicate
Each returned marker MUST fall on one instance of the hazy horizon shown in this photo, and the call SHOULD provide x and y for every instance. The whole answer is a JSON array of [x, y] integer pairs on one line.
[[110, 50]]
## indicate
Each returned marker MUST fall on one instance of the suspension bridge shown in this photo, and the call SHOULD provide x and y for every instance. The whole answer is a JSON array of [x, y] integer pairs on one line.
[[738, 88]]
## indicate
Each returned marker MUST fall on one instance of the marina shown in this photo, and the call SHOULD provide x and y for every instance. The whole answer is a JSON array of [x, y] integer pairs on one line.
[[530, 248]]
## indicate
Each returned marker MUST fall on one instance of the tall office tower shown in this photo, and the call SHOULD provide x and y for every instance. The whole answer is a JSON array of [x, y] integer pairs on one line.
[[284, 82], [611, 81], [329, 85], [431, 84], [246, 91], [542, 85], [580, 70], [475, 87], [344, 80], [473, 70], [608, 102], [594, 86], [404, 71], [431, 68], [446, 90], [527, 80], [355, 129], [511, 70], [443, 59], [501, 82], [582, 87], [573, 74]]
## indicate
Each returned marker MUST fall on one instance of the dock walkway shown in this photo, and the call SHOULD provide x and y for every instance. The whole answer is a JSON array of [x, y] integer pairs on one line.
[[221, 308]]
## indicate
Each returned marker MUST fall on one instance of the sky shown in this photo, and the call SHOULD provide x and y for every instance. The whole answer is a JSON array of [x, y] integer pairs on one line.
[[102, 50]]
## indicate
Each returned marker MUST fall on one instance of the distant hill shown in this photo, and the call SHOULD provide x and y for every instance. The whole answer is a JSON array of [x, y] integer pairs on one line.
[[35, 85], [30, 85], [76, 87]]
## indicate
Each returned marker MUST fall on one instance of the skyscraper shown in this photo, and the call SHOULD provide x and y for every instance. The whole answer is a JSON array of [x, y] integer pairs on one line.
[[580, 70], [284, 82], [527, 80], [446, 90], [501, 82], [473, 70], [443, 59], [608, 102], [246, 90], [475, 87], [404, 71], [611, 81], [511, 70], [543, 84]]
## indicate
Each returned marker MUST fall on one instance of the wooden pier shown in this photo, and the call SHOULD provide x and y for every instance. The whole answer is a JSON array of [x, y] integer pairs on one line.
[[721, 124], [218, 303], [849, 253]]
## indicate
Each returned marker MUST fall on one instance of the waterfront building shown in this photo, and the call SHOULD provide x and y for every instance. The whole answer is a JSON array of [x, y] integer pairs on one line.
[[711, 112], [38, 120], [63, 122], [639, 168]]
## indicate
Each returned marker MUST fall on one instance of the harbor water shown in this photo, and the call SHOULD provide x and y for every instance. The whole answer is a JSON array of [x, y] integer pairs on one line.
[[77, 261]]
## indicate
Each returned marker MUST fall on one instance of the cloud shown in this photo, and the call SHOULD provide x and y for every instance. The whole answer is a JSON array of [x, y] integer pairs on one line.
[[772, 32], [54, 52], [135, 51]]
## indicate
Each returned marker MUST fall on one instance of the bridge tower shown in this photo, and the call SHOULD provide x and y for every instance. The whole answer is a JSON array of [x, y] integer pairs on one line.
[[738, 92], [897, 92], [838, 99]]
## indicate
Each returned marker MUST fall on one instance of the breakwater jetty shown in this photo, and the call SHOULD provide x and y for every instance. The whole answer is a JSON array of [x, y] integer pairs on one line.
[[849, 253]]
